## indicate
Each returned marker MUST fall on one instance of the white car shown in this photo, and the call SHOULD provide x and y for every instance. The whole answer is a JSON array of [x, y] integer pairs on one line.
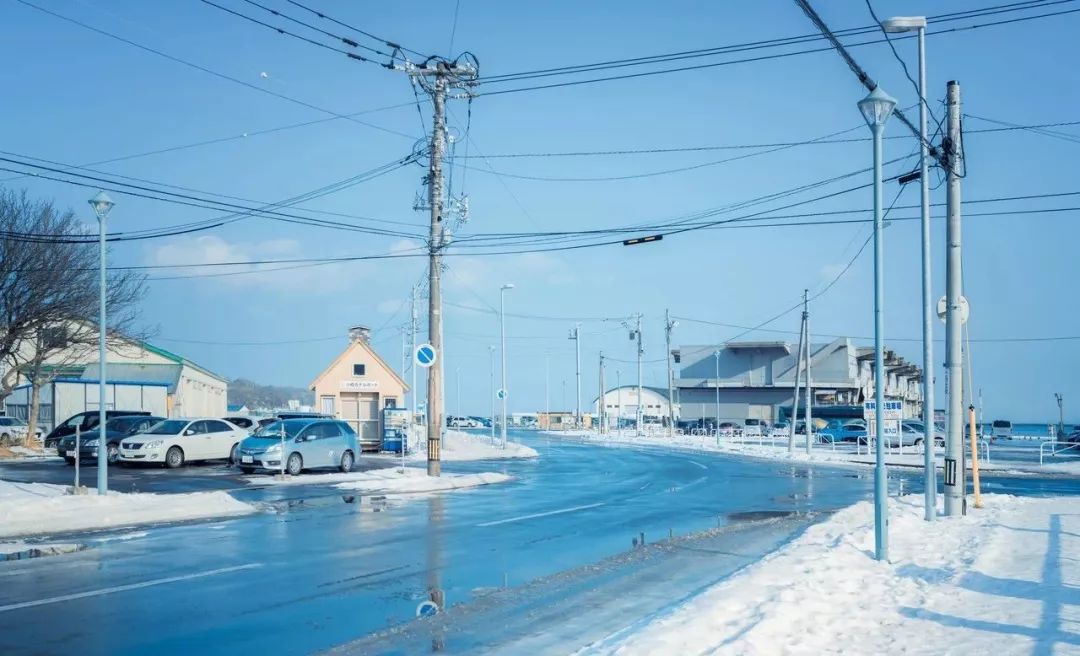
[[175, 441], [13, 430]]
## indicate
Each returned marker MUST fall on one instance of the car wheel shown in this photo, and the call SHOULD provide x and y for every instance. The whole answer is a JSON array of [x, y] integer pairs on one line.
[[247, 470], [346, 462], [174, 458], [70, 461], [294, 464], [232, 456], [918, 442], [112, 454], [5, 438]]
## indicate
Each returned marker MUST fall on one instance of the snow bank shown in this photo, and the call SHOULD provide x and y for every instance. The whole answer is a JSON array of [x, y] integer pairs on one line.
[[1001, 580], [460, 446], [389, 480], [21, 452], [40, 508]]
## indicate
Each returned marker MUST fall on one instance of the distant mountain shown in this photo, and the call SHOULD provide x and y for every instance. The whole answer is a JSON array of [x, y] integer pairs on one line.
[[253, 395]]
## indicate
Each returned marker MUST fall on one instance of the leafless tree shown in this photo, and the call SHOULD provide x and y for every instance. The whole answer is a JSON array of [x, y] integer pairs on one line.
[[49, 293]]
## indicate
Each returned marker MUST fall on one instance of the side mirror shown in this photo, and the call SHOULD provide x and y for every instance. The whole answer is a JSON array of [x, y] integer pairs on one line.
[[189, 432]]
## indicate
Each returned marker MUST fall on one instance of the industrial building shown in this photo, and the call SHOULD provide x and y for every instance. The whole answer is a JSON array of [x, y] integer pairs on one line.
[[737, 381], [139, 376], [621, 406]]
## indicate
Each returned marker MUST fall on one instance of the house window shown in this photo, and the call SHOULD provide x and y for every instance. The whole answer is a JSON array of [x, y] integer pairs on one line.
[[358, 370]]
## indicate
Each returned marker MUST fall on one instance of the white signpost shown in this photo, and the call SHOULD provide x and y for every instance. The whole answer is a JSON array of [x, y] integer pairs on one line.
[[894, 414]]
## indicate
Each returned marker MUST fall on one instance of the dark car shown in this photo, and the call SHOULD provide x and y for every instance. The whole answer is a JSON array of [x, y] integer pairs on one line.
[[84, 421], [116, 429]]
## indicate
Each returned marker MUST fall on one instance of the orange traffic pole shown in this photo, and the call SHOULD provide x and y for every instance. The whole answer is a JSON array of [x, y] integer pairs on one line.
[[974, 456]]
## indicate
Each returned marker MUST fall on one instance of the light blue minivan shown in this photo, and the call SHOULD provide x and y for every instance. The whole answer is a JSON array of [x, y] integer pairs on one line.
[[309, 443]]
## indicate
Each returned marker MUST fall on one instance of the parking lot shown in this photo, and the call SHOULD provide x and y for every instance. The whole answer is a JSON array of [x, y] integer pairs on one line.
[[192, 477]]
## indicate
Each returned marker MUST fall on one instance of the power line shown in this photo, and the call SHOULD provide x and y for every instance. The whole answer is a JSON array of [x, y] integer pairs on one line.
[[279, 30], [347, 41], [387, 43], [753, 45], [665, 71], [1036, 129], [223, 76]]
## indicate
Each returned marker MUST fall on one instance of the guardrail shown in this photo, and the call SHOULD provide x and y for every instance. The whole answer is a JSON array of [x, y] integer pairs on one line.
[[1054, 451]]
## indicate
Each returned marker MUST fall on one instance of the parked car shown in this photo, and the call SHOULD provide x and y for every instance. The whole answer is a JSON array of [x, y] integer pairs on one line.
[[175, 441], [728, 428], [116, 429], [839, 430], [302, 415], [1002, 428], [755, 427], [85, 421], [917, 427], [308, 444], [14, 430], [248, 423]]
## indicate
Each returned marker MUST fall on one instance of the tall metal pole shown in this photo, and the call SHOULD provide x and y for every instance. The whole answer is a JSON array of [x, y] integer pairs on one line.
[[102, 204], [930, 470], [618, 386], [547, 385], [955, 487], [1061, 411], [809, 385], [668, 326], [640, 407], [798, 382], [881, 535], [502, 338], [491, 351], [575, 334], [716, 356], [601, 406]]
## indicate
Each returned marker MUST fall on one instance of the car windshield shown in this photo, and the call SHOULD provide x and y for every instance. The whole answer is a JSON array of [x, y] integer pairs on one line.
[[122, 424], [168, 427], [292, 429]]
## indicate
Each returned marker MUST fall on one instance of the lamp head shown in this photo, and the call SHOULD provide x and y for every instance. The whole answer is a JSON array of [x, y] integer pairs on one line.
[[877, 107], [508, 285], [898, 24], [101, 204]]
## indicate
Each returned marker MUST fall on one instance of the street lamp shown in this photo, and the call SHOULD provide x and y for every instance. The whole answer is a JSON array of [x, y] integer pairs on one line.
[[876, 109], [102, 204], [502, 334], [900, 24]]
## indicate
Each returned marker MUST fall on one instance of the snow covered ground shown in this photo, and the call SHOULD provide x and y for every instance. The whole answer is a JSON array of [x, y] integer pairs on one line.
[[41, 508], [18, 550], [458, 446], [1002, 580], [390, 480], [1003, 459]]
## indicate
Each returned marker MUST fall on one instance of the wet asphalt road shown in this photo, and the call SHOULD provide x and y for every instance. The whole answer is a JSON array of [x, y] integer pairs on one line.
[[320, 569]]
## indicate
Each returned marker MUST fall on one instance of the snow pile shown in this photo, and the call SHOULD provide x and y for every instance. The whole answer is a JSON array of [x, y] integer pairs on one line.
[[459, 446], [27, 452], [390, 480], [41, 508], [1002, 580]]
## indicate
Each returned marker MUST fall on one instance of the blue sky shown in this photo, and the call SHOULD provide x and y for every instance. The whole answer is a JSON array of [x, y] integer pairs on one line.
[[77, 97]]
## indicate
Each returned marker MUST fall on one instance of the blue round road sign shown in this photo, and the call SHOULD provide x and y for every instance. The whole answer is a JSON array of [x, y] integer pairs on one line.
[[427, 609], [425, 355], [501, 394]]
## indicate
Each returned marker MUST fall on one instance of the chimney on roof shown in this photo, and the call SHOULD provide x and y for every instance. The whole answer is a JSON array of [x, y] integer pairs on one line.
[[360, 334]]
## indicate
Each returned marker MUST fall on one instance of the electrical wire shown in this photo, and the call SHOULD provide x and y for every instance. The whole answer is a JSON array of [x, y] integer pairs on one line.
[[209, 71], [387, 43], [696, 67]]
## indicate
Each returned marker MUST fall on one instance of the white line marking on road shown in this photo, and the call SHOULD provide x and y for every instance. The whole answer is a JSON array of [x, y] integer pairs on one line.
[[545, 514], [695, 462], [123, 588]]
